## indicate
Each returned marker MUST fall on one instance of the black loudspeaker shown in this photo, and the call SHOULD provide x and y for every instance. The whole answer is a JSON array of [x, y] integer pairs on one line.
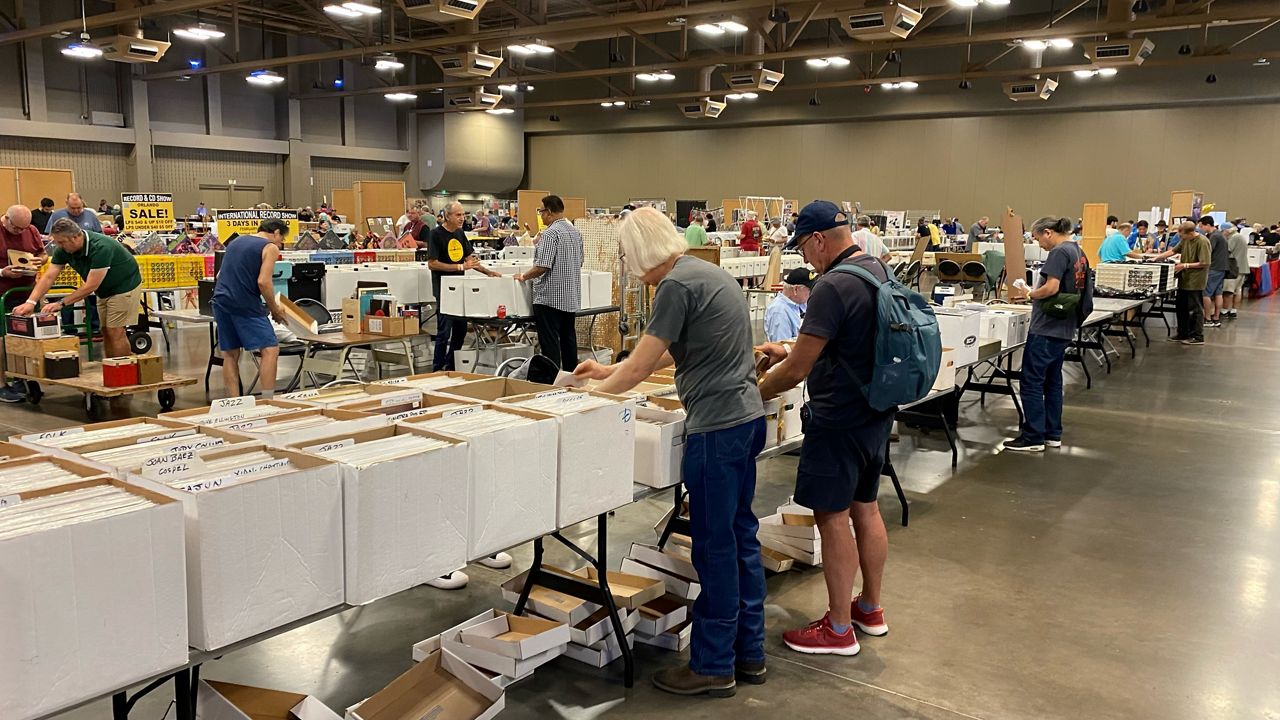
[[306, 281], [204, 296]]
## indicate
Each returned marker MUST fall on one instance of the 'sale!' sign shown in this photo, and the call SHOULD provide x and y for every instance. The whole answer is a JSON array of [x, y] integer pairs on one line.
[[147, 212]]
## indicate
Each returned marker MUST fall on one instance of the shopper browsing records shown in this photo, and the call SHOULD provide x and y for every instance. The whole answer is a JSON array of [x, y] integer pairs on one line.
[[449, 253], [557, 284], [750, 234], [40, 218], [869, 242], [778, 235], [978, 232], [1219, 261], [1115, 247], [782, 317], [17, 233], [77, 213], [1055, 317], [1193, 276], [415, 233], [711, 222], [843, 454], [243, 297], [700, 323], [1237, 268], [695, 235], [109, 272]]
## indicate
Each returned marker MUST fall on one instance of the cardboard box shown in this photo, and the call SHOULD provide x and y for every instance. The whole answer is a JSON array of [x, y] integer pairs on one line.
[[404, 520], [598, 625], [659, 447], [192, 439], [772, 422], [91, 607], [661, 614], [512, 483], [424, 649], [600, 653], [453, 295], [403, 404], [960, 331], [946, 379], [664, 560], [492, 388], [1010, 328], [150, 369], [775, 561], [227, 413], [34, 326], [439, 687], [228, 701], [596, 465], [38, 441], [679, 585], [11, 451], [32, 348], [516, 637], [988, 348], [391, 326], [263, 552], [791, 401], [351, 322], [549, 603], [676, 639], [628, 591], [260, 429], [483, 295]]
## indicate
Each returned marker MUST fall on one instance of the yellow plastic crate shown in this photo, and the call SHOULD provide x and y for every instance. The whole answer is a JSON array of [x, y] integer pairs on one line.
[[67, 278], [159, 272], [189, 270]]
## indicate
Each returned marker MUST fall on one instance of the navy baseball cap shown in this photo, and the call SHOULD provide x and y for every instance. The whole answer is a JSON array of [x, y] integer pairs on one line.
[[817, 216]]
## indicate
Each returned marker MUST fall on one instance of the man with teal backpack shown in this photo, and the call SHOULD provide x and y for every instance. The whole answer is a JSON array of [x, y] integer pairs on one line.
[[867, 345]]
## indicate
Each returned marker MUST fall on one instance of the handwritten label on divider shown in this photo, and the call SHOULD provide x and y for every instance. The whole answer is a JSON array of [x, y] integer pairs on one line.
[[225, 405]]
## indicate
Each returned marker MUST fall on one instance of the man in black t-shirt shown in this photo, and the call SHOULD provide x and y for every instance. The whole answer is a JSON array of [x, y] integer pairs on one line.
[[838, 476], [449, 252]]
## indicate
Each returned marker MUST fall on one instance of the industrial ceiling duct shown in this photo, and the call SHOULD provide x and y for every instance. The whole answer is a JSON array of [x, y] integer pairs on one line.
[[752, 79], [703, 107], [894, 22], [473, 99], [125, 49], [1119, 52], [442, 11], [469, 64], [1020, 90]]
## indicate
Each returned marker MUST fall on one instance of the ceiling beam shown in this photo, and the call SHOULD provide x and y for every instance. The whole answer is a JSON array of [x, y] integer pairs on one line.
[[800, 28], [933, 15], [513, 12], [1255, 33], [1053, 21], [1146, 24], [655, 47], [164, 7], [863, 82]]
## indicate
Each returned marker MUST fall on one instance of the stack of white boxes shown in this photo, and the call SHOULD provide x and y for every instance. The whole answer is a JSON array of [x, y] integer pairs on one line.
[[264, 541], [663, 621], [960, 331], [793, 532], [1008, 326], [506, 646]]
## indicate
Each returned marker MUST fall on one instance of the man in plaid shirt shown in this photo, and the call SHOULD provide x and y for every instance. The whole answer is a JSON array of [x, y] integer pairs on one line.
[[557, 284]]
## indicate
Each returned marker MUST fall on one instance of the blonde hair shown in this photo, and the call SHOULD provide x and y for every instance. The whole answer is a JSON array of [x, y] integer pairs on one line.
[[648, 239]]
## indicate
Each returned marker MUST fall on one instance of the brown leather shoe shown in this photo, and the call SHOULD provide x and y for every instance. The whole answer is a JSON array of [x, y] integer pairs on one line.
[[683, 681], [751, 672]]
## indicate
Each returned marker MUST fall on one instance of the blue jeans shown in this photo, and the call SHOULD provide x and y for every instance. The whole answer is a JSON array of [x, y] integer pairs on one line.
[[451, 332], [728, 616], [1041, 388]]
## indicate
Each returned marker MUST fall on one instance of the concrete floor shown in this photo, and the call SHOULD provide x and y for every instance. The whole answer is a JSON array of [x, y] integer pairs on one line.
[[1128, 575]]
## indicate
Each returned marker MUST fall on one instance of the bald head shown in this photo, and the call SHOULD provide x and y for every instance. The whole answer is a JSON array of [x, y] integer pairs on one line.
[[75, 204], [19, 215]]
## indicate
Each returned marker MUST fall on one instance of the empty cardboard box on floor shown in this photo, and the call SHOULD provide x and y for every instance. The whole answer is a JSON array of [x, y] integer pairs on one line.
[[600, 653], [440, 687], [661, 614], [498, 655], [91, 607], [550, 604], [228, 701], [404, 519], [596, 466], [676, 639], [263, 552], [628, 591]]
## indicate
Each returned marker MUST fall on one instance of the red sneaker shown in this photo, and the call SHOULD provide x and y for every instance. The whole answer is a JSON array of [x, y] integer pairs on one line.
[[817, 638], [871, 623]]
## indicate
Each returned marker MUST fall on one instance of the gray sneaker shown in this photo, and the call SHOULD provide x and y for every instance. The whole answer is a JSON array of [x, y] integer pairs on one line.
[[11, 394]]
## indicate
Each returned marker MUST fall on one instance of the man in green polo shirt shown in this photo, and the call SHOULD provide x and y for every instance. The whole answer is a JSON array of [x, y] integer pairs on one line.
[[109, 271]]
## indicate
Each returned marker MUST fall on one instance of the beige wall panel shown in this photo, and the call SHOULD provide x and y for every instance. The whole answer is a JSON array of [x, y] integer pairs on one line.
[[182, 171], [98, 168], [1041, 163]]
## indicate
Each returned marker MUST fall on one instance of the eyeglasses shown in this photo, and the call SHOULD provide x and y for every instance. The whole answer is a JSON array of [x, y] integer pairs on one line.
[[543, 210], [800, 245]]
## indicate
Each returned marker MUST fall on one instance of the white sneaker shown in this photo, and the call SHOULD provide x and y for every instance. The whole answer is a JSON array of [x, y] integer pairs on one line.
[[496, 561], [455, 580], [1052, 443]]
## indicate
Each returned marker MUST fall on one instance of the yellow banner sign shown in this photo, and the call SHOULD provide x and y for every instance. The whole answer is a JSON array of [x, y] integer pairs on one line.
[[246, 222], [147, 212]]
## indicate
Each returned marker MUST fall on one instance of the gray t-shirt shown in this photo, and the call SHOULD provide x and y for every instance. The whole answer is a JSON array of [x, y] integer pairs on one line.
[[1067, 263], [1238, 246], [1218, 253], [700, 310]]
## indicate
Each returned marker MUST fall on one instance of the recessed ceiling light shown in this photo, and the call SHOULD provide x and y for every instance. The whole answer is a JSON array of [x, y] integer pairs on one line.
[[400, 96]]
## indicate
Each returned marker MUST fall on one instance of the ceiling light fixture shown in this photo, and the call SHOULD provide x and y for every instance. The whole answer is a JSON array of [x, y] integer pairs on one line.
[[537, 47], [1184, 49], [1261, 62], [720, 27], [709, 29], [893, 57], [499, 111], [387, 61], [1107, 72], [1084, 74], [264, 78], [83, 49], [664, 75], [606, 104], [733, 26], [554, 118], [996, 3], [200, 32], [838, 61], [965, 3], [1061, 43], [619, 103], [351, 10], [889, 85], [908, 85], [400, 96], [1211, 78], [966, 85], [817, 62], [507, 87]]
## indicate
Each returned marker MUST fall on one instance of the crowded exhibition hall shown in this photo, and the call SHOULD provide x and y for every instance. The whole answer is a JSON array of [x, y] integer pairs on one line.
[[573, 359]]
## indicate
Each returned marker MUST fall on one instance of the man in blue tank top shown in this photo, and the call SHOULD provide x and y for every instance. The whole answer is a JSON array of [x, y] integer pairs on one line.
[[243, 286]]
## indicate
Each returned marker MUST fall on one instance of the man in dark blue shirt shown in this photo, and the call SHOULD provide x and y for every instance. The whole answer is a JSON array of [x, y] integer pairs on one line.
[[244, 284]]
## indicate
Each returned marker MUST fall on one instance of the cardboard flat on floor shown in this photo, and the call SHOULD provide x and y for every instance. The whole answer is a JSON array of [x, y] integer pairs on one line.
[[440, 687], [596, 464], [262, 553], [774, 525], [516, 637], [676, 639], [422, 650], [661, 614], [775, 561], [628, 591], [598, 625], [600, 653], [659, 447], [228, 701], [72, 452], [675, 584], [404, 519], [91, 607], [451, 641], [549, 603]]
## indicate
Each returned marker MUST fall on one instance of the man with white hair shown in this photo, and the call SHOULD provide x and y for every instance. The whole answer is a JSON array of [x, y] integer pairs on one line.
[[17, 233], [75, 210], [778, 235], [750, 235], [783, 316]]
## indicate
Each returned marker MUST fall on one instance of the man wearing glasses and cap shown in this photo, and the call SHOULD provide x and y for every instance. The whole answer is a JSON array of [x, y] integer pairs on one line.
[[783, 316], [845, 439]]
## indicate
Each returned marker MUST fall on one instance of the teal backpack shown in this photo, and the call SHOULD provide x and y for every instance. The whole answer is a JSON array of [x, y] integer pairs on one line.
[[908, 343]]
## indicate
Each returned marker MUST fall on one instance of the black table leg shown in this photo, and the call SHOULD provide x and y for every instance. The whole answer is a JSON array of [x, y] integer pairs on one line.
[[888, 470], [183, 696]]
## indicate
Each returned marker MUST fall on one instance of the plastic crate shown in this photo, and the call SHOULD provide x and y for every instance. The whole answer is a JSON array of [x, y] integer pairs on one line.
[[334, 257], [67, 278], [383, 256], [404, 255], [366, 256], [209, 265], [159, 272], [189, 270]]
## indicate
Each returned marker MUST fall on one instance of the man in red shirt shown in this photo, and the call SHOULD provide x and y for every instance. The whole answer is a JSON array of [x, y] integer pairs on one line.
[[751, 235], [17, 234]]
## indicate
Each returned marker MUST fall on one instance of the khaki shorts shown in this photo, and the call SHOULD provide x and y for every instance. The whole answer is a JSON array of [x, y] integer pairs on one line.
[[120, 310], [1233, 285]]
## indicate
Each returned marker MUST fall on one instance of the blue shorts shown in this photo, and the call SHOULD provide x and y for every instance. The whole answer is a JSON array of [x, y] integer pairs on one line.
[[840, 467], [1214, 286], [248, 332]]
